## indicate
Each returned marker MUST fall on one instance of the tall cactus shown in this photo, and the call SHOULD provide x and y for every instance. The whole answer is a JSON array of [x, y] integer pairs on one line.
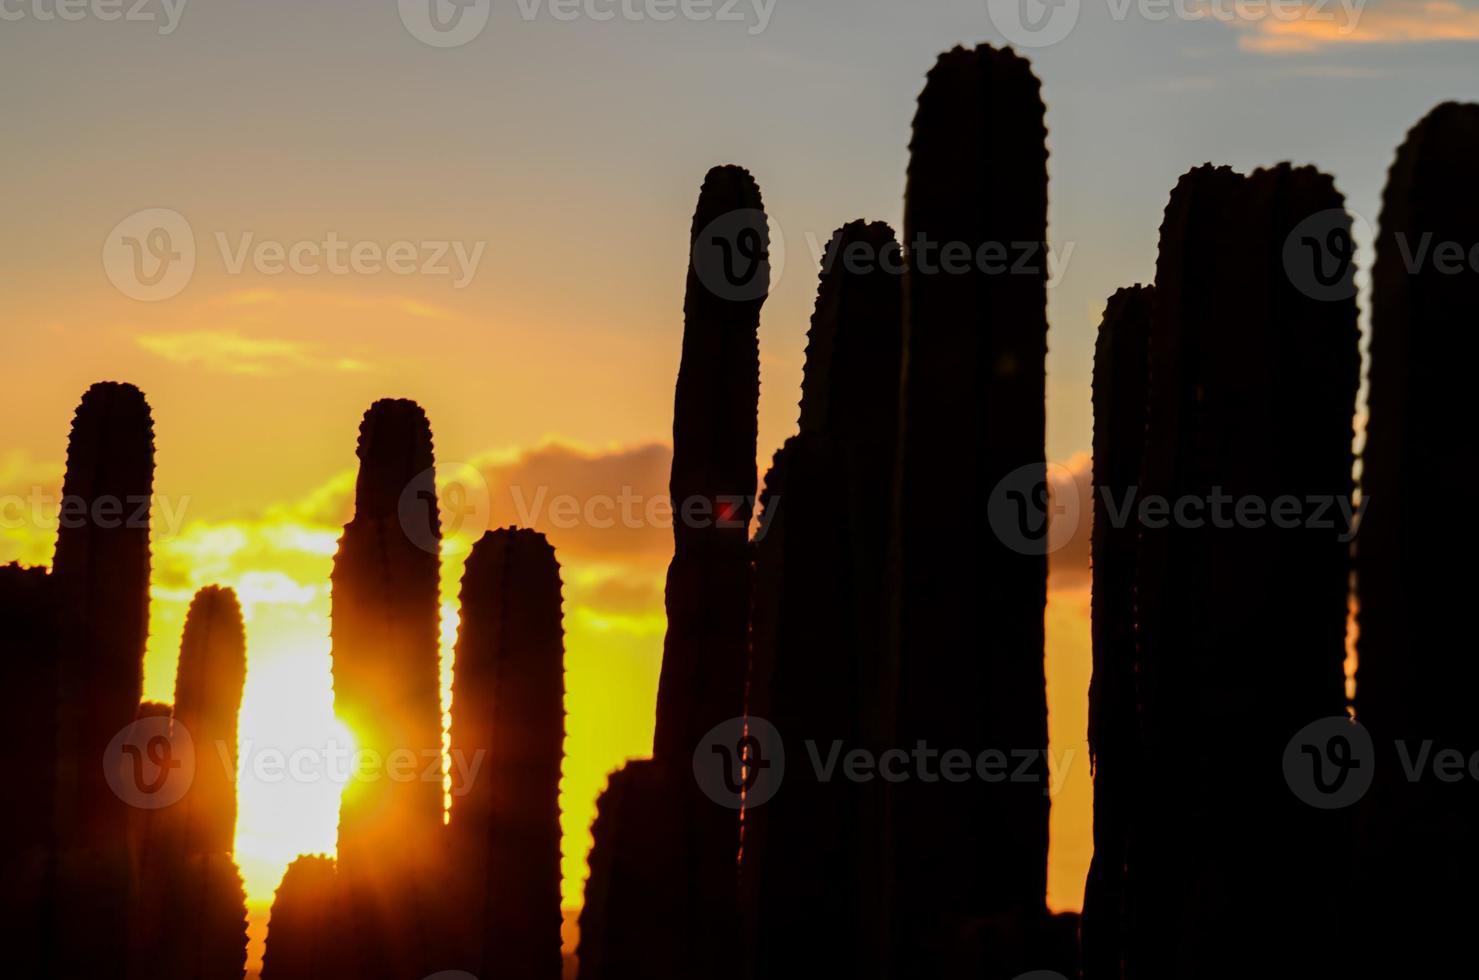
[[1121, 362], [508, 732], [1413, 686], [192, 907], [100, 576], [705, 653], [1252, 395], [972, 858], [714, 440], [28, 755], [304, 938], [209, 682], [386, 613], [815, 856]]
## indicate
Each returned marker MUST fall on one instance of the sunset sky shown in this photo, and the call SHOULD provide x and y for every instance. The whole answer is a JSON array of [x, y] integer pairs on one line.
[[566, 157]]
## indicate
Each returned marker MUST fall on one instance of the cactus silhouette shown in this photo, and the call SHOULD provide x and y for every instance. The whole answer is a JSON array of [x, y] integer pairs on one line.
[[1252, 396], [705, 653], [508, 721], [28, 747], [304, 937], [386, 612], [815, 856], [630, 898], [1121, 361], [192, 906], [1413, 688], [208, 688], [100, 582], [973, 416]]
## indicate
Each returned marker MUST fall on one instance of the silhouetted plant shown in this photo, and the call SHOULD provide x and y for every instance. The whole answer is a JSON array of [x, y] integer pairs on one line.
[[630, 898], [386, 630], [28, 755], [100, 577], [1252, 396], [815, 856], [1414, 687], [1121, 362], [508, 721], [304, 937], [972, 858], [705, 652], [209, 682]]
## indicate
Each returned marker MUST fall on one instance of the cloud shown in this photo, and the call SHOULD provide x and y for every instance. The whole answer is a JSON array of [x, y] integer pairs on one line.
[[229, 352], [597, 504], [1322, 25]]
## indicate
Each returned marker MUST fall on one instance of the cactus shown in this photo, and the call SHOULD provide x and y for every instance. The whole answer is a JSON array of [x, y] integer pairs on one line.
[[631, 901], [814, 858], [705, 652], [208, 688], [304, 931], [973, 415], [508, 721], [1413, 687], [28, 743], [100, 582], [191, 904], [101, 576], [386, 615], [714, 437], [1252, 395], [1121, 360]]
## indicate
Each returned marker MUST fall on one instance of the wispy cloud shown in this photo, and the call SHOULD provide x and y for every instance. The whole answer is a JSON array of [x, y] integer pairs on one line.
[[230, 352], [1323, 25]]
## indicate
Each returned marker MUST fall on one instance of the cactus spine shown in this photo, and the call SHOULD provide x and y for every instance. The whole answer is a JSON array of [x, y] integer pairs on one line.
[[1121, 361], [973, 415], [508, 720], [386, 614], [815, 857], [1413, 686]]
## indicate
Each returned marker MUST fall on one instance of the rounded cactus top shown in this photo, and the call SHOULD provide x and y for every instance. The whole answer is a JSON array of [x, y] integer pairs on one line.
[[395, 451], [111, 448], [726, 188]]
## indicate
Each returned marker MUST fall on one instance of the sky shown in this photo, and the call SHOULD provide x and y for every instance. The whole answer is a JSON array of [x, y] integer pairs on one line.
[[510, 216]]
